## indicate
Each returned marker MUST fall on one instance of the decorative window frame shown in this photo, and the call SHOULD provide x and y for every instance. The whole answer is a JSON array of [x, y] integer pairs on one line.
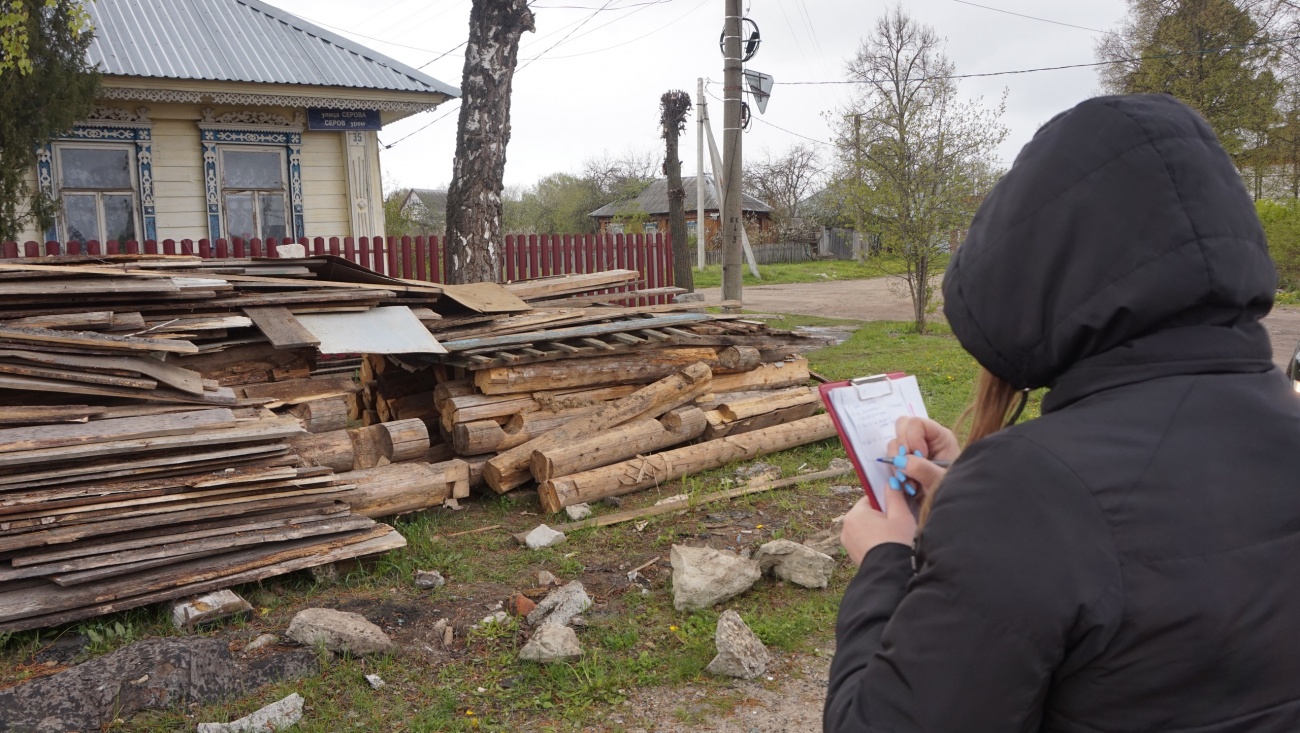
[[115, 125], [252, 128]]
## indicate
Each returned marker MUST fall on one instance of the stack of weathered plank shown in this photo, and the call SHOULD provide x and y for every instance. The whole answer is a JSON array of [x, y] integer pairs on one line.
[[139, 459]]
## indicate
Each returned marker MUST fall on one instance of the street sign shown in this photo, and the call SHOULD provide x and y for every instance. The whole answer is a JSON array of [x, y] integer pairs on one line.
[[760, 85], [353, 120]]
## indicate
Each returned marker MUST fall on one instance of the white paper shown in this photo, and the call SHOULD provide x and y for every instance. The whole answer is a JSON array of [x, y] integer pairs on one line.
[[869, 426]]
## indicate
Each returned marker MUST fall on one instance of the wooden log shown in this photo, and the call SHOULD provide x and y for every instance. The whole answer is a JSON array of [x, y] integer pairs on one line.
[[417, 405], [483, 407], [333, 449], [720, 426], [641, 367], [766, 376], [476, 464], [632, 439], [511, 468], [453, 388], [403, 440], [322, 416], [367, 446], [399, 488], [487, 436], [735, 359], [644, 472], [733, 410]]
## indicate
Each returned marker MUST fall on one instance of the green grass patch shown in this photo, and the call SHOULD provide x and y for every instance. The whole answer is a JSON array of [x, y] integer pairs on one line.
[[809, 272]]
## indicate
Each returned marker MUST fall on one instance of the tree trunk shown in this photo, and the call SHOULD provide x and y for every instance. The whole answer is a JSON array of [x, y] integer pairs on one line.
[[474, 197], [683, 272]]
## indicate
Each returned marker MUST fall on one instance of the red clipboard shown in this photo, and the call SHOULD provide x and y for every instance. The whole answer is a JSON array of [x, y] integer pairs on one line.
[[824, 392]]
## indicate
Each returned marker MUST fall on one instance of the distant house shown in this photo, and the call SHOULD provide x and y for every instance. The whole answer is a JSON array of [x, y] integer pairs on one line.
[[227, 118], [652, 204], [427, 207]]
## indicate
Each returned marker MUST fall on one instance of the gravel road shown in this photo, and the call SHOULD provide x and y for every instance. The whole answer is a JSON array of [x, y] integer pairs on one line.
[[881, 299]]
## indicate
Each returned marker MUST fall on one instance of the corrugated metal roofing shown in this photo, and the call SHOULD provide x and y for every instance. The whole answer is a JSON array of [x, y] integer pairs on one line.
[[654, 200], [238, 40]]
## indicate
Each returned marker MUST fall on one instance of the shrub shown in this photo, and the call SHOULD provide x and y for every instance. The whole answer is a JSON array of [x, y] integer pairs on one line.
[[1281, 220]]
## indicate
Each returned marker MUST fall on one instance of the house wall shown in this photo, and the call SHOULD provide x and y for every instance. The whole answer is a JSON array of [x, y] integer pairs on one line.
[[329, 192]]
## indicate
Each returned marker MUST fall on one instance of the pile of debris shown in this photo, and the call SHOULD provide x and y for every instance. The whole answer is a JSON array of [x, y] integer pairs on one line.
[[173, 425]]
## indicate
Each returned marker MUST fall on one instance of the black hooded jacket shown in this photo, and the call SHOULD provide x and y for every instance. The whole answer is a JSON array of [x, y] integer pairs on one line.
[[1129, 561]]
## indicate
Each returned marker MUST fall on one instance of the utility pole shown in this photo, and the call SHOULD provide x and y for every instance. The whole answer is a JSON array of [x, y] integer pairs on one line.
[[732, 225], [701, 111]]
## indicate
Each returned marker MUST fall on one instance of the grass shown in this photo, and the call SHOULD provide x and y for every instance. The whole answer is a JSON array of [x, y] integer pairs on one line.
[[1288, 297], [808, 272], [635, 643]]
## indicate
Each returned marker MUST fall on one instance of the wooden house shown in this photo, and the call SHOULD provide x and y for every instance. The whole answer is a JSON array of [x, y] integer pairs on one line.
[[227, 118], [651, 210]]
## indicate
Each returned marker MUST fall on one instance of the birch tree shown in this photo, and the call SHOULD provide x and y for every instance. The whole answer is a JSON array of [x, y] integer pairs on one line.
[[918, 160], [474, 209], [673, 107]]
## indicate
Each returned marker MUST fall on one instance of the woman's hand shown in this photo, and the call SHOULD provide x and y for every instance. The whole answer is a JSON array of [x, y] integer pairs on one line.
[[919, 441], [865, 528]]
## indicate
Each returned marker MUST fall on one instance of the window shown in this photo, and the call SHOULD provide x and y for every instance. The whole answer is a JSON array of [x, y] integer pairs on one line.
[[97, 191], [651, 227], [253, 193]]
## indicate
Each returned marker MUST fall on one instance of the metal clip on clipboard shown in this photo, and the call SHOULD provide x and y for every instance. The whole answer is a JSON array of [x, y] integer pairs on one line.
[[869, 388]]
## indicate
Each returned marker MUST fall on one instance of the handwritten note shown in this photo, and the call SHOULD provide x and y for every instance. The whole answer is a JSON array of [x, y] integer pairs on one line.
[[868, 423]]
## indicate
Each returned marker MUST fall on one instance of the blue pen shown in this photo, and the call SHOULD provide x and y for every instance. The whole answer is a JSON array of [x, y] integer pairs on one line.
[[901, 462]]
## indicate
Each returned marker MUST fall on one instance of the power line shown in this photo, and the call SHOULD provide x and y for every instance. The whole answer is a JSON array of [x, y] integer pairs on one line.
[[708, 82], [422, 127], [647, 34], [1053, 68], [1030, 17], [576, 28]]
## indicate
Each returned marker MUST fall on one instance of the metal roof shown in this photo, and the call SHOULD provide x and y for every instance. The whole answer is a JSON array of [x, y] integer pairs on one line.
[[654, 200], [238, 40]]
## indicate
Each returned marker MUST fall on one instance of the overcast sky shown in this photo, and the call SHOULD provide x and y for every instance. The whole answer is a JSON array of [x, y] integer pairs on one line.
[[595, 84]]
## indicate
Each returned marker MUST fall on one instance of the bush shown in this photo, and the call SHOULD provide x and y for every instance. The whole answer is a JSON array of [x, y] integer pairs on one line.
[[1281, 220]]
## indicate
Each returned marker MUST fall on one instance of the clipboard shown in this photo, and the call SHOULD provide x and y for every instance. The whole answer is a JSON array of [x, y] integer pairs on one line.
[[864, 412]]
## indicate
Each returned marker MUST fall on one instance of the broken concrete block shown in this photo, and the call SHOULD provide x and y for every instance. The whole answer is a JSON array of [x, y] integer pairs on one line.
[[578, 512], [551, 643], [338, 631], [561, 605], [543, 536], [796, 563], [429, 579], [187, 615], [273, 717], [703, 576], [740, 652]]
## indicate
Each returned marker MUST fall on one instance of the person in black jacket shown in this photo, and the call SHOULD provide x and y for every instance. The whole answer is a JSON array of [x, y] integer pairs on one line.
[[1130, 560]]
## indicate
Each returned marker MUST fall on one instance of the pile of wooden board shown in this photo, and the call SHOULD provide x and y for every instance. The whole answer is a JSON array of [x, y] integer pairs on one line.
[[140, 459]]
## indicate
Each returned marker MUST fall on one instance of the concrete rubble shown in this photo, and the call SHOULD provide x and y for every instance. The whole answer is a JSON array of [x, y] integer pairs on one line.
[[274, 717], [338, 631], [740, 652], [703, 576], [796, 563]]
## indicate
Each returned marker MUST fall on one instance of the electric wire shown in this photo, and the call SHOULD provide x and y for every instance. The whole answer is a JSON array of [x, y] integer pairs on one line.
[[1030, 17]]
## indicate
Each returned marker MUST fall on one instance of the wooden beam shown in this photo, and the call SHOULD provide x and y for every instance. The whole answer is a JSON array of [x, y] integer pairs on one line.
[[281, 328]]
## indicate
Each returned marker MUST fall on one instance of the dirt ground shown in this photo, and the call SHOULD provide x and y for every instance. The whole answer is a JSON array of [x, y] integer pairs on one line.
[[882, 299]]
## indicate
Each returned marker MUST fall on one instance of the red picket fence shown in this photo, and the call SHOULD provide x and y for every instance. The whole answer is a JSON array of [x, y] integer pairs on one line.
[[525, 256]]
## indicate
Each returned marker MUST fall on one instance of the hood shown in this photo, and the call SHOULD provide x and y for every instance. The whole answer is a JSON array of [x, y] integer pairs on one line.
[[1123, 217]]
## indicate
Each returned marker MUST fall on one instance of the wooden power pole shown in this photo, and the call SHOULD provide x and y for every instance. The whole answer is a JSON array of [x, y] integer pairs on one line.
[[701, 112], [732, 224]]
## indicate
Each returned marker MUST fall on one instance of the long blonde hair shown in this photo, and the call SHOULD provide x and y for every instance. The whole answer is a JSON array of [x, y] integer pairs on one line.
[[987, 414]]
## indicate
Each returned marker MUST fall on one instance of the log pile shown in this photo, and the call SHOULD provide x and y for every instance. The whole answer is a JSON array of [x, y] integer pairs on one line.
[[555, 395]]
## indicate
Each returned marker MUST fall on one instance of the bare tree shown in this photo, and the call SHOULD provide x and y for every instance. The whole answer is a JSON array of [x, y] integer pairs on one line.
[[785, 181], [673, 108], [921, 159], [623, 176], [474, 196]]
